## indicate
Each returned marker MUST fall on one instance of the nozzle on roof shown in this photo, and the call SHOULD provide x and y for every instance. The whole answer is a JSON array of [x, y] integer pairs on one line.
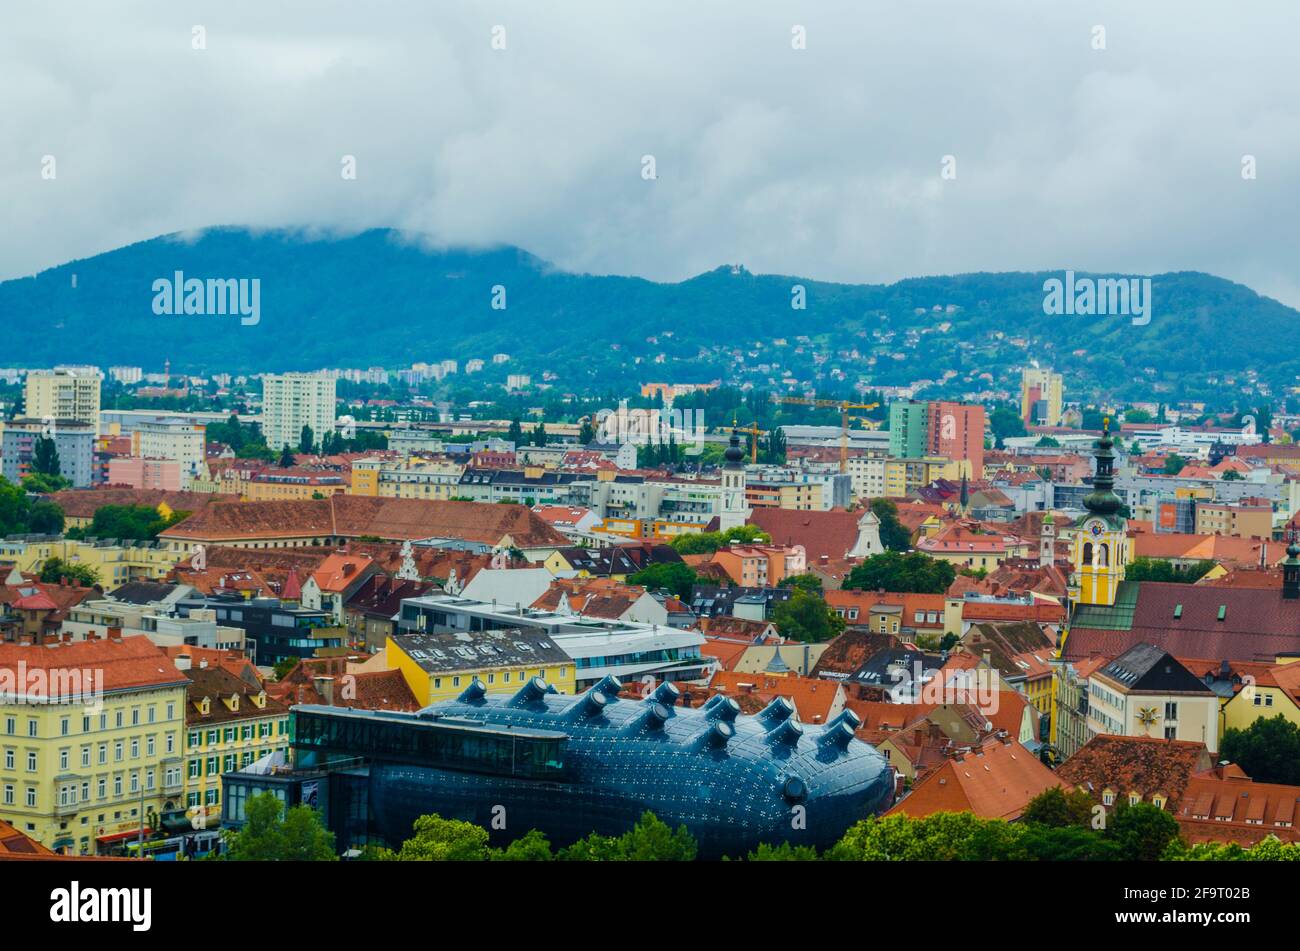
[[712, 702], [775, 713], [836, 736], [715, 736], [786, 733], [656, 714], [530, 692], [667, 694], [724, 711], [609, 685], [476, 691], [590, 704], [847, 716]]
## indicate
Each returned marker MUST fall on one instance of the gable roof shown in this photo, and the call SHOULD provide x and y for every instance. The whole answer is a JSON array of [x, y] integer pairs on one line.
[[355, 516], [832, 533], [1147, 668], [993, 781], [1191, 620], [1135, 764]]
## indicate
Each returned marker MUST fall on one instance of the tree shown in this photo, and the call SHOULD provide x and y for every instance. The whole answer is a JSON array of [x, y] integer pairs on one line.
[[1047, 442], [806, 618], [516, 433], [15, 508], [45, 518], [272, 835], [39, 483], [1058, 808], [1141, 832], [284, 666], [306, 439], [1174, 464], [1160, 569], [808, 581], [286, 457], [586, 433], [704, 543], [55, 570], [941, 837], [1005, 422], [893, 534], [674, 576], [1268, 750], [531, 847], [785, 852], [914, 572], [134, 522], [1232, 475], [45, 456], [650, 840], [437, 839]]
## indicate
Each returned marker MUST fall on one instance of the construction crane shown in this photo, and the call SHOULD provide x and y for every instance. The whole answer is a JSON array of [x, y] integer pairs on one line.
[[754, 433], [840, 405]]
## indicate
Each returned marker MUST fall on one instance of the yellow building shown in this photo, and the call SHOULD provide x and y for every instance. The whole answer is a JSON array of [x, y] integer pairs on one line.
[[1272, 692], [90, 748], [904, 475], [1101, 548], [277, 486], [229, 723], [440, 666], [114, 564], [63, 394]]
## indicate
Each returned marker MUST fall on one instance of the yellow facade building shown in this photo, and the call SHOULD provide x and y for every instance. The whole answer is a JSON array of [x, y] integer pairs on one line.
[[440, 666], [90, 742]]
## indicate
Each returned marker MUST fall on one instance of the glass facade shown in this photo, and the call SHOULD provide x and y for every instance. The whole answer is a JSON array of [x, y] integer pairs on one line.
[[570, 766]]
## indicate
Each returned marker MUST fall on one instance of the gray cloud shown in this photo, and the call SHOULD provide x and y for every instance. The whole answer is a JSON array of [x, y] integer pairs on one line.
[[821, 162]]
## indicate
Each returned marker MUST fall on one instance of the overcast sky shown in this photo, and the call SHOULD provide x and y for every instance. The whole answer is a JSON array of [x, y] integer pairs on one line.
[[823, 162]]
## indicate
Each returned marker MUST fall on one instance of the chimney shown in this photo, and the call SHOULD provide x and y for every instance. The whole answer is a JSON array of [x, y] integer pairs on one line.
[[67, 637], [325, 687], [25, 640], [115, 635], [182, 661]]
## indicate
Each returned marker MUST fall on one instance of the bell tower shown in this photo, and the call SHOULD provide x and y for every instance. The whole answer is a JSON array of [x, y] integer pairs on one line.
[[734, 511], [1101, 545]]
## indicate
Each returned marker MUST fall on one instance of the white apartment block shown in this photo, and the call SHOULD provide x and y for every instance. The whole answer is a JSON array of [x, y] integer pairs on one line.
[[293, 400]]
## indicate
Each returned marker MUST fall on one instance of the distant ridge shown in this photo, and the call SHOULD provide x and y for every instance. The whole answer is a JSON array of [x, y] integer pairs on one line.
[[379, 298]]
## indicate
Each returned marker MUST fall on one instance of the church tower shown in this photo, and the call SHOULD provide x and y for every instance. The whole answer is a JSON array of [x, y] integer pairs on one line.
[[1047, 541], [734, 511], [1101, 545]]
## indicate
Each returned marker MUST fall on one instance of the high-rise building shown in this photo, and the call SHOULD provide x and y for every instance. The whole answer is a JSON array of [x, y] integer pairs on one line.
[[74, 444], [956, 430], [908, 425], [1040, 397], [64, 394], [953, 430], [291, 401]]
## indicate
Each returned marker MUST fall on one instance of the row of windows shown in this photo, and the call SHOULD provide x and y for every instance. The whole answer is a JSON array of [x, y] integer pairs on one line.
[[230, 734], [199, 766], [70, 794], [88, 721], [521, 675], [120, 752]]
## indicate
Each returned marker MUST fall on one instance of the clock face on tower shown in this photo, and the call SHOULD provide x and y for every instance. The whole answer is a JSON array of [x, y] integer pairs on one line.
[[1095, 528]]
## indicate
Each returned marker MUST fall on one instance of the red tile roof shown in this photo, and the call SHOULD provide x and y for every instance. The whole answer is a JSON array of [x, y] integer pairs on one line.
[[993, 781]]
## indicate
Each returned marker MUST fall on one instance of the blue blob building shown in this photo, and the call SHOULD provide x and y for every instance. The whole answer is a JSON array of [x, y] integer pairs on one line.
[[572, 765]]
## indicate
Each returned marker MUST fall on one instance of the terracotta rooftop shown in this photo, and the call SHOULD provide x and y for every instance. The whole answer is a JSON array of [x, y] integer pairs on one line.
[[993, 781], [1135, 764]]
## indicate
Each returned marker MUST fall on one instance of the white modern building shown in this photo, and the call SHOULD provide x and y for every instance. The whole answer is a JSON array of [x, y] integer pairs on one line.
[[291, 401]]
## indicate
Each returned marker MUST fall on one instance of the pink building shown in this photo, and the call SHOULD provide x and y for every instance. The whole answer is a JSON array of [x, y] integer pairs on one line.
[[141, 473]]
